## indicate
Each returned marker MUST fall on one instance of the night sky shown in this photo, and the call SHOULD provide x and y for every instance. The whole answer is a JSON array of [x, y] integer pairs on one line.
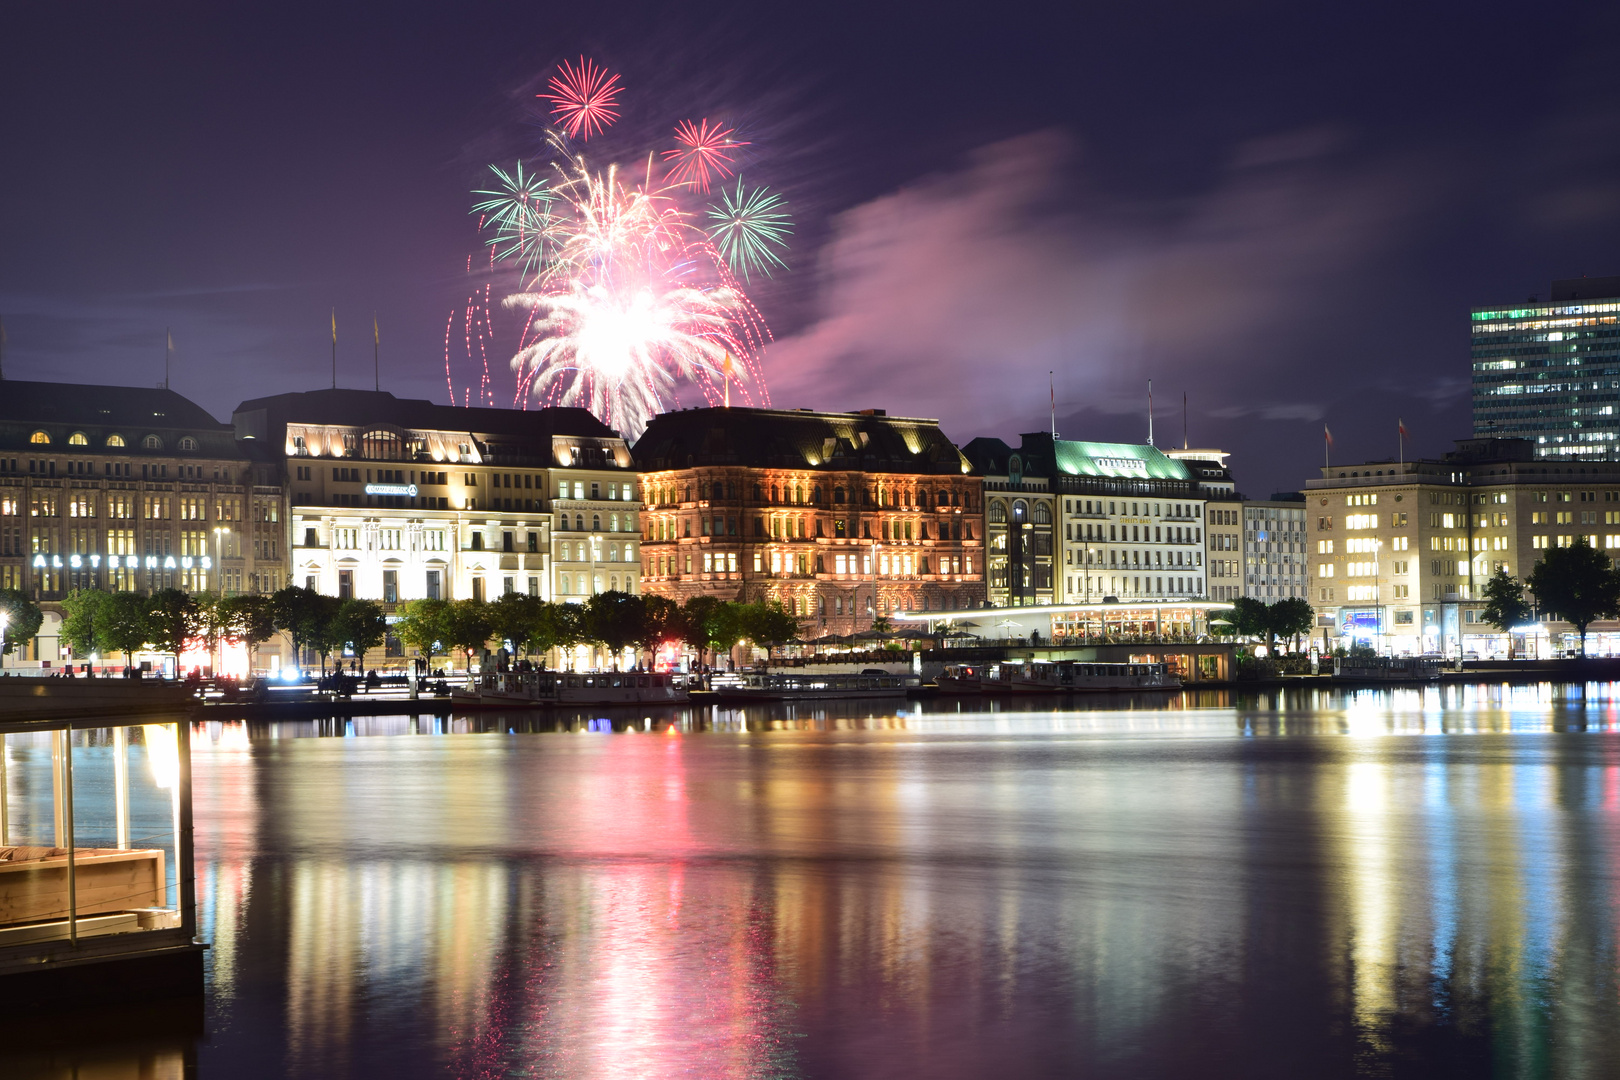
[[1283, 210]]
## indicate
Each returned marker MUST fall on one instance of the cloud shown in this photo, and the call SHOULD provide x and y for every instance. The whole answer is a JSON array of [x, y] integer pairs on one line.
[[954, 297]]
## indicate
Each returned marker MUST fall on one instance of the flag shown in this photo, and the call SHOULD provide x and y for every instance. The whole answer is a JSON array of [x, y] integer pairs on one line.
[[1401, 426], [1326, 434], [334, 326], [171, 341], [376, 334]]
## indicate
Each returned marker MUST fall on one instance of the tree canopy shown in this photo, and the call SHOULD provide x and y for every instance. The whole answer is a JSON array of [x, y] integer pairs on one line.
[[22, 618], [1577, 584], [1505, 605]]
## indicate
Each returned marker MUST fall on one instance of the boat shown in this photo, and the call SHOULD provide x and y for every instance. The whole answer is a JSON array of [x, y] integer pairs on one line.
[[961, 679], [1076, 676], [801, 686], [521, 688], [1386, 669]]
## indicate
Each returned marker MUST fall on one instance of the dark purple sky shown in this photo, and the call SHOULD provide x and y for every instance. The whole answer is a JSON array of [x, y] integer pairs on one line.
[[1284, 210]]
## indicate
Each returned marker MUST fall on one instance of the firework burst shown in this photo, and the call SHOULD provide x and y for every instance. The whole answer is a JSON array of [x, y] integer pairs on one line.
[[583, 98], [628, 299], [749, 227], [702, 152]]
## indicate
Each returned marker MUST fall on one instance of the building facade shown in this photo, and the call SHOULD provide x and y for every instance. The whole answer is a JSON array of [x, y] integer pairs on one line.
[[843, 517], [1020, 522], [1223, 520], [1550, 372], [1129, 518], [1275, 562], [1400, 552], [126, 489], [396, 499]]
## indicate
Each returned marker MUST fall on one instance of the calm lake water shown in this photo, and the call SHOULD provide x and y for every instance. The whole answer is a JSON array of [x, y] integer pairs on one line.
[[1407, 883]]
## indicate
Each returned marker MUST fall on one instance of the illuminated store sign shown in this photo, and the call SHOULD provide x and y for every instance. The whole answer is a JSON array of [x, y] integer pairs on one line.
[[391, 489], [132, 562]]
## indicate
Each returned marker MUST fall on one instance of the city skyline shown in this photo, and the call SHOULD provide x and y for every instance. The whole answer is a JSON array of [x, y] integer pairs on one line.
[[1101, 221]]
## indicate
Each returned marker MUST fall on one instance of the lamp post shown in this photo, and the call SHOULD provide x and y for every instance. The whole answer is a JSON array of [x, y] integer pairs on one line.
[[5, 617]]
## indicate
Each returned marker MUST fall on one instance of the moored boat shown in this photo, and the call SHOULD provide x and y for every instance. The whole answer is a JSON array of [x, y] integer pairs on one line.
[[800, 686], [1075, 676], [961, 679], [581, 688]]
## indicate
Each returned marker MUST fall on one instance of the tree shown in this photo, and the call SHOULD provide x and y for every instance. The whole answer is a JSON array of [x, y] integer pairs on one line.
[[1505, 605], [711, 624], [660, 622], [1291, 618], [466, 625], [248, 619], [307, 617], [767, 622], [213, 620], [515, 617], [173, 621], [22, 618], [84, 615], [361, 625], [614, 619], [1249, 617], [126, 625], [1577, 584], [422, 627]]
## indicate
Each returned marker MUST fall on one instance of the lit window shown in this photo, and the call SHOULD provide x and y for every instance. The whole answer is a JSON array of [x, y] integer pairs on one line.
[[39, 438], [115, 440], [78, 439]]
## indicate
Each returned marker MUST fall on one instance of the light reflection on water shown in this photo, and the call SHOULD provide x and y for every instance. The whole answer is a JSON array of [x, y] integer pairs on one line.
[[1407, 882]]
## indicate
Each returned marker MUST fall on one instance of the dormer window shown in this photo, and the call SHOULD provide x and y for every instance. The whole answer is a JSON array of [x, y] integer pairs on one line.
[[39, 438], [188, 443], [115, 440], [151, 442], [78, 439]]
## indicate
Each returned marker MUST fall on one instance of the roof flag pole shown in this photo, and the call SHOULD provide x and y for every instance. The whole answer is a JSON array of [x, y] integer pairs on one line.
[[168, 351], [1184, 419], [334, 348], [1400, 439], [376, 354], [1327, 446], [1051, 386], [1150, 412]]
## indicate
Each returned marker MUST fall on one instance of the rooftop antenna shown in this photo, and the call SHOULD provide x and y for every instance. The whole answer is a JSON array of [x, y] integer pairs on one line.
[[1150, 412], [1051, 386]]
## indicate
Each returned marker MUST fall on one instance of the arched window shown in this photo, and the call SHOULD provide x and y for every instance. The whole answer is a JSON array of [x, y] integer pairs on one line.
[[152, 442], [998, 511], [579, 522], [838, 494], [39, 438], [382, 446], [944, 498], [596, 523], [562, 523], [78, 439], [188, 443], [1043, 514], [1020, 510], [815, 495], [115, 440]]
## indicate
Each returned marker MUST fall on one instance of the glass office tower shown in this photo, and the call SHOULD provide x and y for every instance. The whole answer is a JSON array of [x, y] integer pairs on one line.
[[1550, 372]]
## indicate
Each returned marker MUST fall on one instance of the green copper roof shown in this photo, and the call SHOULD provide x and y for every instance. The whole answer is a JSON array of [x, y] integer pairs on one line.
[[1117, 459]]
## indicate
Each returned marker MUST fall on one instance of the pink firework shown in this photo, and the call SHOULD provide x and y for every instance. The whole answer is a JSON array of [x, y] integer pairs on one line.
[[703, 151], [583, 98]]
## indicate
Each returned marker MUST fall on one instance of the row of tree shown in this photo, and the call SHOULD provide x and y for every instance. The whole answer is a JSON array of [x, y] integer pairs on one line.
[[615, 621], [1576, 584], [1289, 618], [172, 621]]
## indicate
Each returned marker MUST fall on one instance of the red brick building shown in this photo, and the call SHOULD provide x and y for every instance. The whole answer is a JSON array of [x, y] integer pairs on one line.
[[841, 516]]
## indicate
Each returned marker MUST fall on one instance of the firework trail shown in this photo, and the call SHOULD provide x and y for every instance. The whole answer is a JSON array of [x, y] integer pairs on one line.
[[629, 299]]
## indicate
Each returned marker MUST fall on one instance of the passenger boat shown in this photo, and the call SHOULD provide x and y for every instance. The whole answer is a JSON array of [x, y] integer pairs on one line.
[[1075, 676], [961, 679], [800, 686], [1386, 669], [580, 688]]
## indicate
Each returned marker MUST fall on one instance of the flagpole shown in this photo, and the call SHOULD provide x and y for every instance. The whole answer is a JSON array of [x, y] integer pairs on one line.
[[376, 354], [1150, 412], [2, 350], [1051, 387], [1400, 439], [334, 348], [168, 348]]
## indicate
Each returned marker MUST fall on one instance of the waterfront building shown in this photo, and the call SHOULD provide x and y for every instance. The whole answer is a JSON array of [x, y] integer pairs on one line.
[[1020, 521], [395, 499], [1274, 543], [126, 489], [1400, 551], [1223, 520], [1129, 516], [1550, 372], [843, 517]]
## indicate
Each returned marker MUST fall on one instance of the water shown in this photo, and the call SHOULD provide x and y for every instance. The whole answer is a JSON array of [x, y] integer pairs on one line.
[[1407, 883]]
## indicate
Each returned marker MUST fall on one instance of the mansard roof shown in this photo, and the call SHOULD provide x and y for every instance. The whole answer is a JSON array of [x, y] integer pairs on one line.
[[98, 412], [797, 439]]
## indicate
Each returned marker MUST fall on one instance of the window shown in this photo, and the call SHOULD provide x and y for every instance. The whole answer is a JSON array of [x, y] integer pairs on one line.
[[998, 512], [152, 442], [188, 443], [78, 439], [39, 438], [381, 446]]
